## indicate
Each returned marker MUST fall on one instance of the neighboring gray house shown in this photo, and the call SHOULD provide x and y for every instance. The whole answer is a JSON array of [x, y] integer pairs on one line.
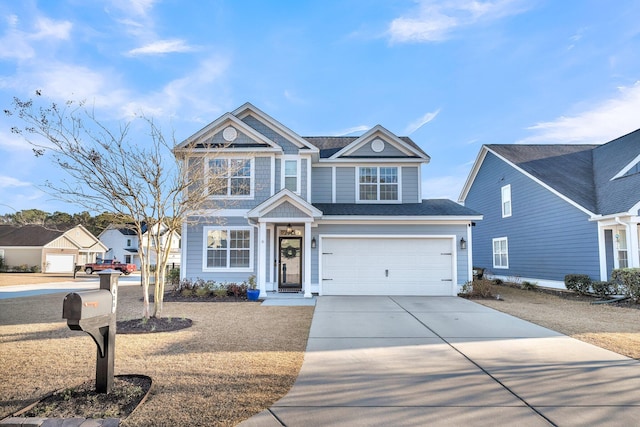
[[552, 210], [54, 251], [327, 215]]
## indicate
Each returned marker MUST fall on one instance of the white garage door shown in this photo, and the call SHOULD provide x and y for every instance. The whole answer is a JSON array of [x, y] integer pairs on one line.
[[59, 263], [387, 266]]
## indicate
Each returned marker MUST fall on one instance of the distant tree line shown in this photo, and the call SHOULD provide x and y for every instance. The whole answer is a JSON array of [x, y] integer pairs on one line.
[[61, 220]]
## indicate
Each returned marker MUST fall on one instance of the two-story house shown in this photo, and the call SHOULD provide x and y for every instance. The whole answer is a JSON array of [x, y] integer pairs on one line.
[[123, 245], [326, 215], [556, 209]]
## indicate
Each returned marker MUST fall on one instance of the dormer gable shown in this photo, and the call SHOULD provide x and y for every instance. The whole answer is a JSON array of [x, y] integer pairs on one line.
[[378, 143], [249, 109], [228, 133]]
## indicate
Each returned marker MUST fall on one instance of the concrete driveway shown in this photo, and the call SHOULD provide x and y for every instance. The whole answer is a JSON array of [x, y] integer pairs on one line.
[[417, 361]]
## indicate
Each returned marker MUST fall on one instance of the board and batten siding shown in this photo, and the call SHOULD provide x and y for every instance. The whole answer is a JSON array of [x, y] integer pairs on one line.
[[547, 237], [321, 185], [195, 237], [458, 230]]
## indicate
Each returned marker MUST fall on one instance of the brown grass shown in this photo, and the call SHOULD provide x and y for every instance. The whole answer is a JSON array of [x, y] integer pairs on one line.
[[236, 360], [608, 326], [9, 279]]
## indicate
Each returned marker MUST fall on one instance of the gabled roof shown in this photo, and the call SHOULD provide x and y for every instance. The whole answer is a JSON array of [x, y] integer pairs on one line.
[[27, 235], [588, 176], [40, 236], [284, 196], [345, 147], [427, 208]]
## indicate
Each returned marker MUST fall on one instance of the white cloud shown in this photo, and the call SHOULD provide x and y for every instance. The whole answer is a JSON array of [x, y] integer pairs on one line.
[[353, 130], [417, 124], [8, 181], [19, 44], [605, 121], [161, 47], [443, 187], [435, 20]]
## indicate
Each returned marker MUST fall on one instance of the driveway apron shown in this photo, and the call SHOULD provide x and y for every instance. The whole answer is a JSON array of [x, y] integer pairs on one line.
[[416, 361]]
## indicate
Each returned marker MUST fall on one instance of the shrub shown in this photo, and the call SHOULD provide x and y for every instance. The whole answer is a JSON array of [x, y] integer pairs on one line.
[[604, 289], [221, 290], [478, 289], [498, 282], [579, 283], [628, 281], [173, 277], [238, 290], [528, 286]]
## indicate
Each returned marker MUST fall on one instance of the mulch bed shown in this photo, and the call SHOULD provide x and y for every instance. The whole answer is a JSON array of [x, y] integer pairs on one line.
[[128, 392], [152, 325]]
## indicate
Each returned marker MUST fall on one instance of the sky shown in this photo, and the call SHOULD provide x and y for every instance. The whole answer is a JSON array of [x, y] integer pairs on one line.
[[451, 74]]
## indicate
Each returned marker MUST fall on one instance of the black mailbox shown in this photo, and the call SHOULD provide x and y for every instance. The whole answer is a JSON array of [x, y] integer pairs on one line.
[[78, 306], [94, 312]]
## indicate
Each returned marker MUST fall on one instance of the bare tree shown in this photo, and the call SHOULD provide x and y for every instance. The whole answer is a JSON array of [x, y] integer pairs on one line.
[[136, 179]]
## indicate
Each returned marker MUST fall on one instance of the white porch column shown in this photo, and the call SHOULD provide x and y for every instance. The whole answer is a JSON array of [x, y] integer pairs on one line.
[[262, 258], [632, 245], [307, 260]]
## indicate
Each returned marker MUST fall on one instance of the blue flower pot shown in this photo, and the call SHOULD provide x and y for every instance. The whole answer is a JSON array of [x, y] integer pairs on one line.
[[253, 294]]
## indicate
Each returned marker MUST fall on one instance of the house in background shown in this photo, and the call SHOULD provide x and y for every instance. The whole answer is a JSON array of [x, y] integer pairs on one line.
[[123, 245], [54, 251], [552, 210], [327, 215]]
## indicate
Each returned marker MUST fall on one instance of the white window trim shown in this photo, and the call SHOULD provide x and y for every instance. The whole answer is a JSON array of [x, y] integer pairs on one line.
[[228, 196], [205, 233], [505, 196], [493, 253], [378, 201], [298, 172]]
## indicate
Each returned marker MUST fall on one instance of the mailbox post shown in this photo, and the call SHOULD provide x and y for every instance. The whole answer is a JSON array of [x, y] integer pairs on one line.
[[94, 312]]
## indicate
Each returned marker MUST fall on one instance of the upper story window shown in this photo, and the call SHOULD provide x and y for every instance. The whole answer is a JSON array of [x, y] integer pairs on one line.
[[378, 184], [230, 177], [501, 253], [506, 201], [128, 243], [291, 175]]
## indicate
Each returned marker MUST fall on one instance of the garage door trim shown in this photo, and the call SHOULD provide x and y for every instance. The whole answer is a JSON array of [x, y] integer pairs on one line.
[[450, 237]]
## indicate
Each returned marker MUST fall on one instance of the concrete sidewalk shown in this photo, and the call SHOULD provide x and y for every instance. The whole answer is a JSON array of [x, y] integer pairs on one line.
[[416, 361]]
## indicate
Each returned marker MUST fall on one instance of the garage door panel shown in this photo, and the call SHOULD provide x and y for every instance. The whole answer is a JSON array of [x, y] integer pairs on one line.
[[387, 266], [59, 263]]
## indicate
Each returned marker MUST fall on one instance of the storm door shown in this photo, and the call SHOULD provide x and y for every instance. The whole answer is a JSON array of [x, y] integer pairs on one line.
[[290, 264]]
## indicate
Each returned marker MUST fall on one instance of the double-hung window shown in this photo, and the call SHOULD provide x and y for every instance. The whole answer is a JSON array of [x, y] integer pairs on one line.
[[291, 175], [500, 253], [228, 248], [378, 184], [506, 201], [230, 177]]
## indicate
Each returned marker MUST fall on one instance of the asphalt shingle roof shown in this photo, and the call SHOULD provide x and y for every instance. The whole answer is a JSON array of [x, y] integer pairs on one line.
[[430, 207], [330, 145], [27, 235], [583, 173]]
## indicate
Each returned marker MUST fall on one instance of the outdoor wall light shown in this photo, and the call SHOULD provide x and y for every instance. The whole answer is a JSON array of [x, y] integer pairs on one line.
[[463, 243], [313, 243], [289, 229]]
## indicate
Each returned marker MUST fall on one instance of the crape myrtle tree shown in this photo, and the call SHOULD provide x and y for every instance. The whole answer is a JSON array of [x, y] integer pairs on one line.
[[114, 169]]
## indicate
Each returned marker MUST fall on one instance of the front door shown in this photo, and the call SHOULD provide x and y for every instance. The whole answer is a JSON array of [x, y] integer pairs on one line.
[[290, 264]]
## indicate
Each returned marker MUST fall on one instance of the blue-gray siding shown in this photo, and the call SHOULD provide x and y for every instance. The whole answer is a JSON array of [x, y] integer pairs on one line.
[[286, 210], [195, 245], [547, 237], [388, 151], [410, 188], [345, 185], [321, 185], [287, 146]]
